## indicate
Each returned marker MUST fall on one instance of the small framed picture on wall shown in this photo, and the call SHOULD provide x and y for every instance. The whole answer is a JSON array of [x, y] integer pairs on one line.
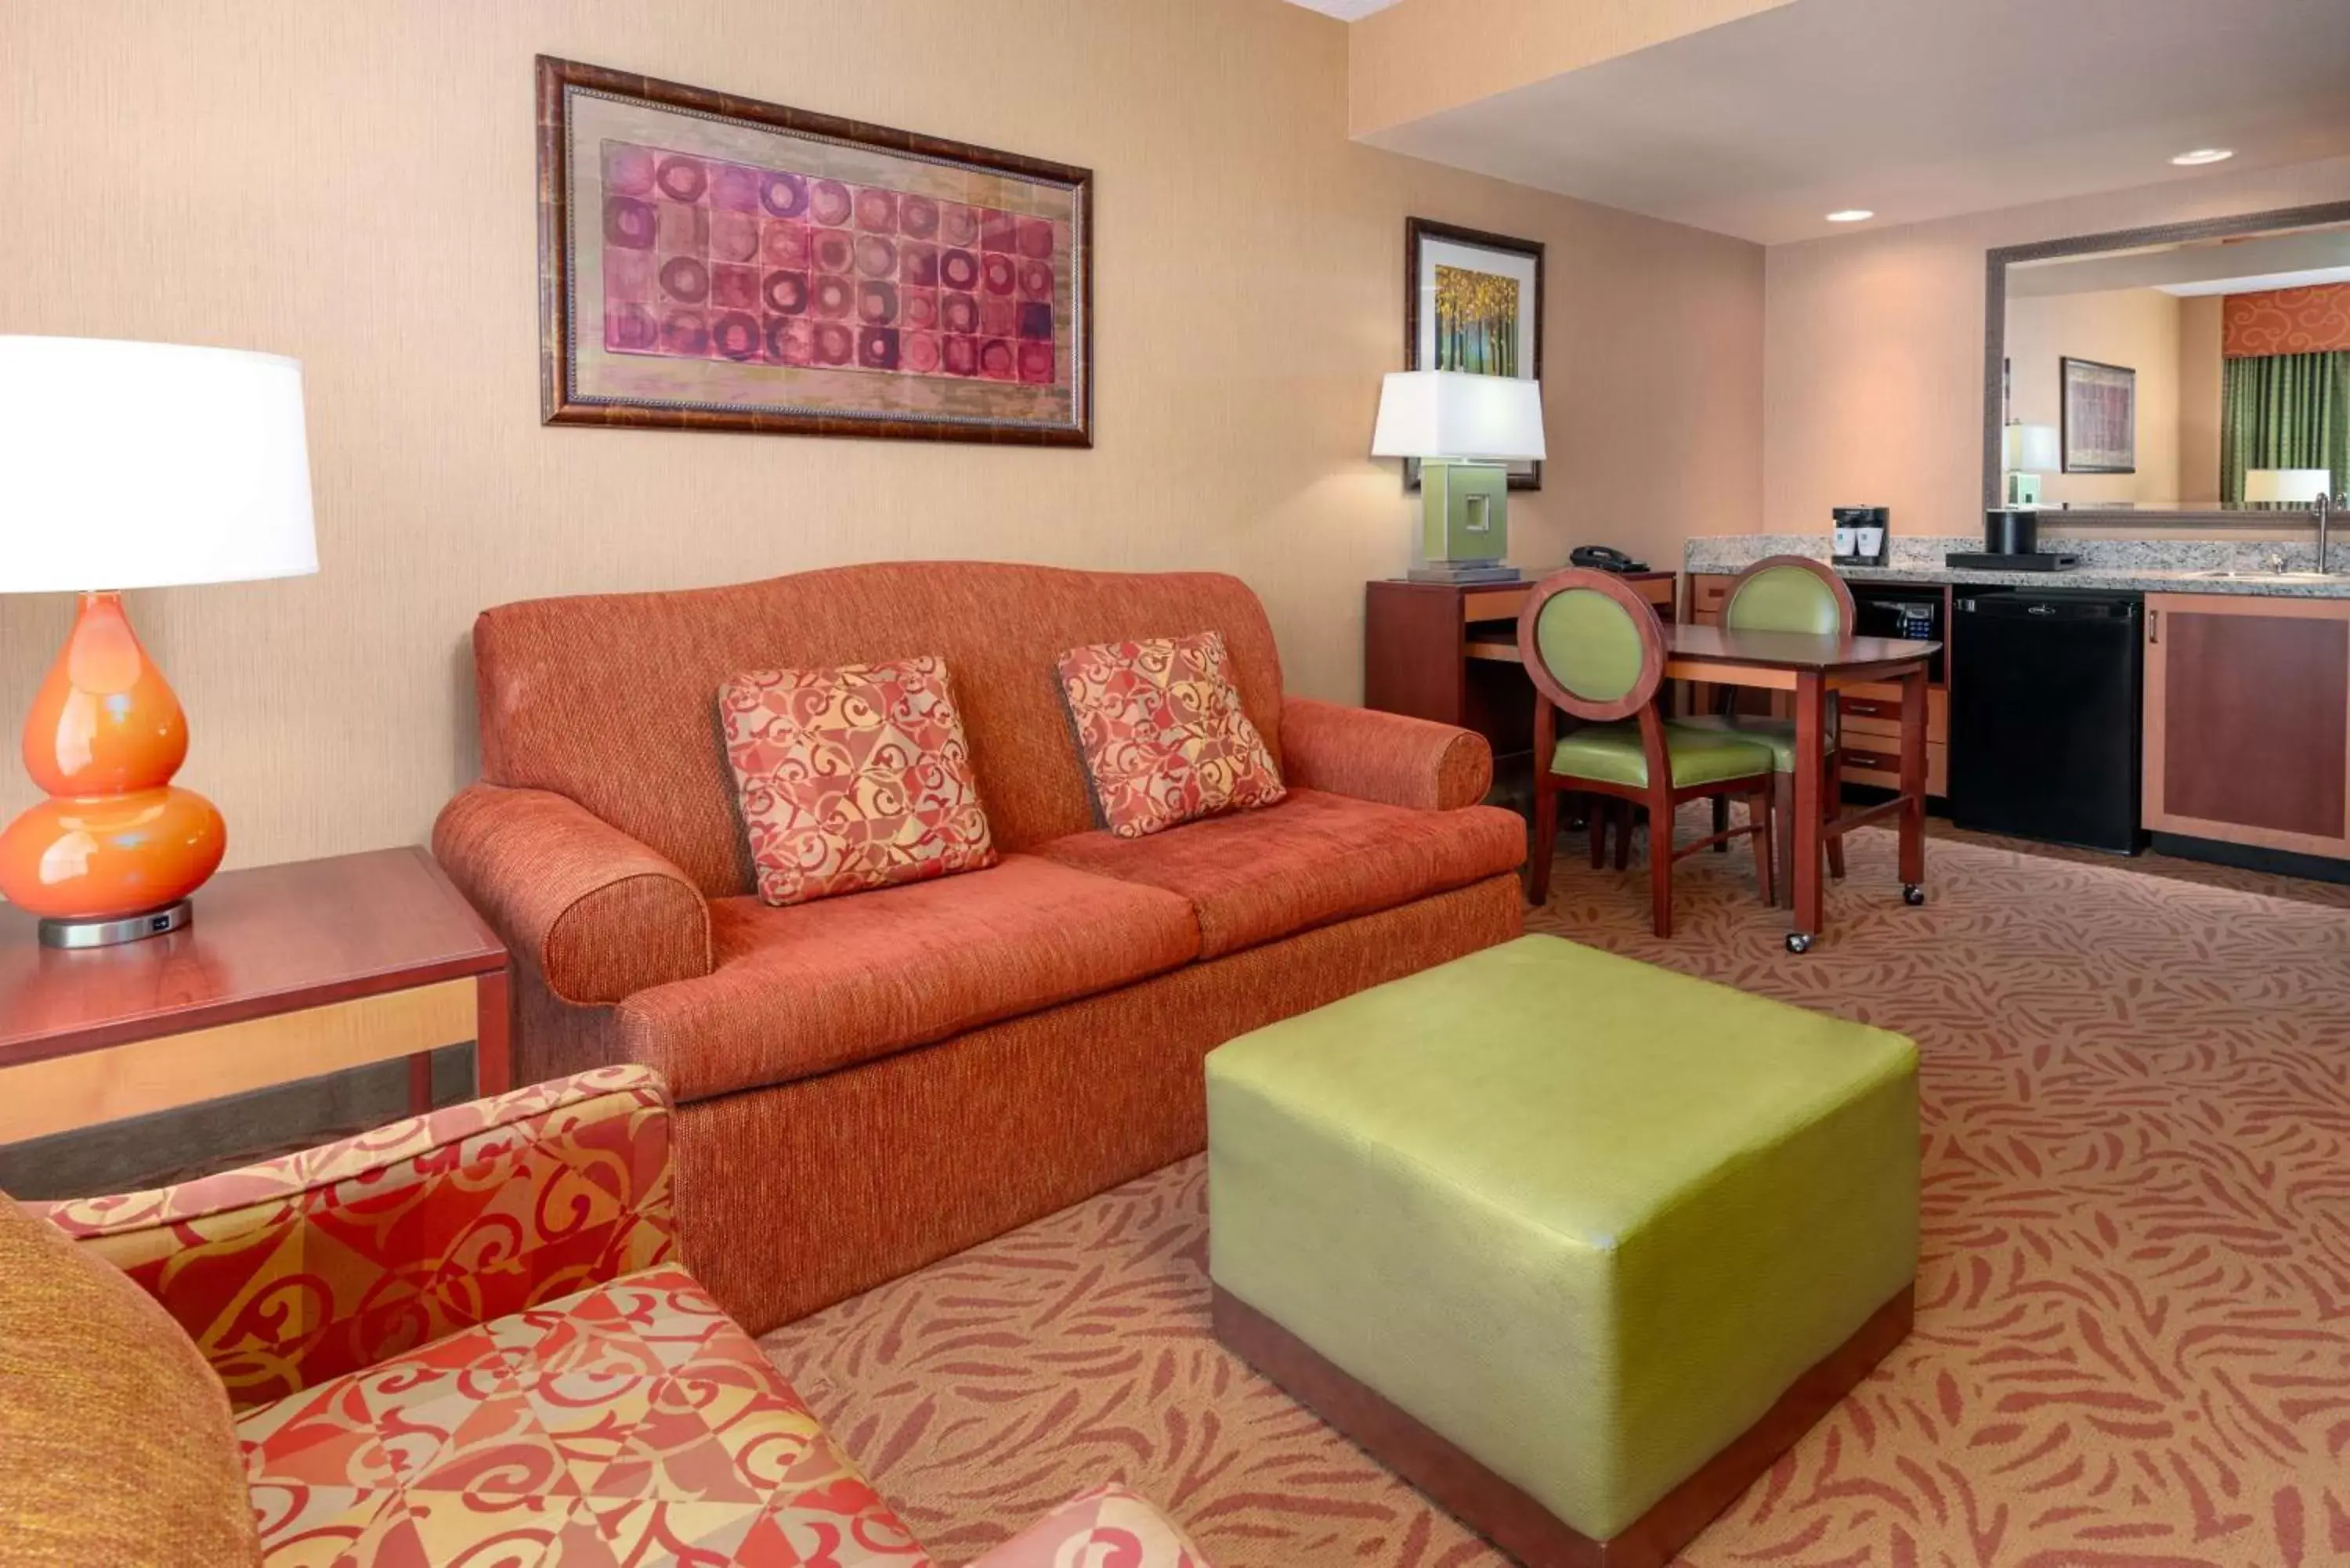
[[2098, 416], [1472, 302]]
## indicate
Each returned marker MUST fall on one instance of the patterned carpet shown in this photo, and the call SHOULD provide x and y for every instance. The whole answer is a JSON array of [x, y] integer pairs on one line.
[[2132, 1347]]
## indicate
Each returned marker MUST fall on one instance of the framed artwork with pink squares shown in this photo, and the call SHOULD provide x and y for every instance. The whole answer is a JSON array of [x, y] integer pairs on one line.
[[714, 262]]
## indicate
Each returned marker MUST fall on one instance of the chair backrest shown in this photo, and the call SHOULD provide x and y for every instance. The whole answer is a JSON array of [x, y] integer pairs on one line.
[[612, 699], [1591, 645], [1789, 592]]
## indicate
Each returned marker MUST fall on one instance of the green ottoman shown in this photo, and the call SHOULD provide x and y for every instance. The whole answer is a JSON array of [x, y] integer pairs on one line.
[[1576, 1245]]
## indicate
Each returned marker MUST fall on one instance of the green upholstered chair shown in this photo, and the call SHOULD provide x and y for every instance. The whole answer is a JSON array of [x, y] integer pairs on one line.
[[1594, 650], [1784, 593]]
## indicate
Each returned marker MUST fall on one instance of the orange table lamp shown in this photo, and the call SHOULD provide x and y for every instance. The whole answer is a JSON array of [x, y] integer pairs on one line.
[[133, 465]]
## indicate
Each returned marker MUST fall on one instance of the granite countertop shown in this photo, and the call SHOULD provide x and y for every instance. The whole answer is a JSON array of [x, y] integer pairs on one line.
[[2135, 566]]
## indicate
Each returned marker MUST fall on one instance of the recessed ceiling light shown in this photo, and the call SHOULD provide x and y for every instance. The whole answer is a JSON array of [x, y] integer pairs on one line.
[[2204, 155], [1851, 215]]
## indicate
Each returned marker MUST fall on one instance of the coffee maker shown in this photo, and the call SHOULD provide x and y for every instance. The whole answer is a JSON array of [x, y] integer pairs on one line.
[[2011, 544]]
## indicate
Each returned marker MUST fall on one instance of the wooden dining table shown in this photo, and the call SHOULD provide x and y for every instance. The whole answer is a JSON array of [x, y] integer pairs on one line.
[[1810, 669]]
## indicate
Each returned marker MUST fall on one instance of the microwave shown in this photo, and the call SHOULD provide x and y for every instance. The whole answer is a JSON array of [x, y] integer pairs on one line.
[[1900, 610]]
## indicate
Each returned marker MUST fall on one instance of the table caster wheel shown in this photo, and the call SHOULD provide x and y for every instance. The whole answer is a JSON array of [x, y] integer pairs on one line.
[[1912, 894], [1799, 942]]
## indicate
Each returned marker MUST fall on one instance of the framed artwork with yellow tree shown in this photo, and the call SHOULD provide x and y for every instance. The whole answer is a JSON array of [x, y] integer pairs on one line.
[[1472, 302]]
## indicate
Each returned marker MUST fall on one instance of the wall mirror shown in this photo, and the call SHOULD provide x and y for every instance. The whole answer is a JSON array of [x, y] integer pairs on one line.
[[2197, 372]]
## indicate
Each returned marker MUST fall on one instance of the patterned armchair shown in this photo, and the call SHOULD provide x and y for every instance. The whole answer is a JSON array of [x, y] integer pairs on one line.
[[463, 1337]]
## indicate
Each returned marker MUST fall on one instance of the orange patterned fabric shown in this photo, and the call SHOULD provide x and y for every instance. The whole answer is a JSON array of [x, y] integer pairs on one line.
[[605, 699], [849, 1179], [852, 778], [2313, 320], [115, 1443], [1163, 733], [598, 913], [1386, 757], [1312, 859], [815, 987], [309, 1266], [634, 1423]]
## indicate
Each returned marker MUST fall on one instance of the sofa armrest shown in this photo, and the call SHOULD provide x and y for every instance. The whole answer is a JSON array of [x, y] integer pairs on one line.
[[1386, 757], [601, 915], [311, 1265], [1109, 1524]]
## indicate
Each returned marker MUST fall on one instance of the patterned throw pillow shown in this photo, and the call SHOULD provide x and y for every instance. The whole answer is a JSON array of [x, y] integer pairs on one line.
[[852, 778], [1162, 732]]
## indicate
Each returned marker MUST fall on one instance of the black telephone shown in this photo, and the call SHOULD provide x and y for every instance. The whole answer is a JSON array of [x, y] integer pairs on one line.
[[1604, 558]]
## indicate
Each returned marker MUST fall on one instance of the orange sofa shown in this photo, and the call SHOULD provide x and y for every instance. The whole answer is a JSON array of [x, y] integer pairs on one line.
[[868, 1084]]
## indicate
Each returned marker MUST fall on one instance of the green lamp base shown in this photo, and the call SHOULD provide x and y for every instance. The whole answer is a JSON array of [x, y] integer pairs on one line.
[[1465, 521]]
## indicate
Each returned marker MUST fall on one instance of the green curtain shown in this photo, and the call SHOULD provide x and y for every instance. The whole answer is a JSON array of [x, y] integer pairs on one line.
[[2285, 410]]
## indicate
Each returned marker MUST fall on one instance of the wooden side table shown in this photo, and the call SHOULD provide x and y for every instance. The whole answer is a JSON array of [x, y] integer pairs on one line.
[[1423, 652], [286, 973]]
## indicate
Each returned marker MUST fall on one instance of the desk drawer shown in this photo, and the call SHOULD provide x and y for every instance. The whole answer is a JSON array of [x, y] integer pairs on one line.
[[1705, 594], [1868, 764], [1877, 710]]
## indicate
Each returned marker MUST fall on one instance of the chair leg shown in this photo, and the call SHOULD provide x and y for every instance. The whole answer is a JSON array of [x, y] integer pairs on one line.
[[1782, 832], [1758, 813], [1721, 823], [1832, 792], [1545, 841], [1661, 864], [1600, 807], [1624, 834]]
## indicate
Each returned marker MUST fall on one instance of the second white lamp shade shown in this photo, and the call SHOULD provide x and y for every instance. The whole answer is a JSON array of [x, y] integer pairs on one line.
[[142, 465], [1448, 413], [2032, 449], [2287, 486]]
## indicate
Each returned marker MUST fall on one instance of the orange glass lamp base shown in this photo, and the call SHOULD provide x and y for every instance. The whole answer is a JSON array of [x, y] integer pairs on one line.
[[115, 839]]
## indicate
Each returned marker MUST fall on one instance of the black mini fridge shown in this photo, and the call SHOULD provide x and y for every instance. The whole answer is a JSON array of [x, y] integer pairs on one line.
[[2046, 714]]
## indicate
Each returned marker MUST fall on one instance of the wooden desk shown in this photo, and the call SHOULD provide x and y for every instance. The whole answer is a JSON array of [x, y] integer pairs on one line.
[[286, 973], [1426, 652]]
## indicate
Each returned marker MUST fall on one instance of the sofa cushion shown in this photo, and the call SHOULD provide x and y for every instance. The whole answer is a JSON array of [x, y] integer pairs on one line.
[[1163, 733], [1312, 859], [852, 778], [807, 989], [631, 1423], [115, 1443]]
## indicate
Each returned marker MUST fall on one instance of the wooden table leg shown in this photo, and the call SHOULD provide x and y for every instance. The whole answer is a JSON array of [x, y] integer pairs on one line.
[[492, 1066], [1811, 753], [1913, 785]]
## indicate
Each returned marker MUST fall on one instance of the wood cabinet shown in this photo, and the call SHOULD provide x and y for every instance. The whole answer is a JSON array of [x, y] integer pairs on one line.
[[1871, 721], [2248, 720], [1449, 652]]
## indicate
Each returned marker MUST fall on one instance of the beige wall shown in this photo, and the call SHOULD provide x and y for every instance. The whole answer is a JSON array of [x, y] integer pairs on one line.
[[2202, 374], [2133, 327], [1874, 344], [352, 184]]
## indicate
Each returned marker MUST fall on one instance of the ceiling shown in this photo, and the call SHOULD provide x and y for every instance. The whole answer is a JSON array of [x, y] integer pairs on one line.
[[2238, 265], [1915, 109], [1345, 10]]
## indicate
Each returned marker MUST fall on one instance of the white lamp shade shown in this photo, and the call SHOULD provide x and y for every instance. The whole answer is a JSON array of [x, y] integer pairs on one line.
[[2294, 486], [2032, 449], [1448, 413], [140, 465]]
